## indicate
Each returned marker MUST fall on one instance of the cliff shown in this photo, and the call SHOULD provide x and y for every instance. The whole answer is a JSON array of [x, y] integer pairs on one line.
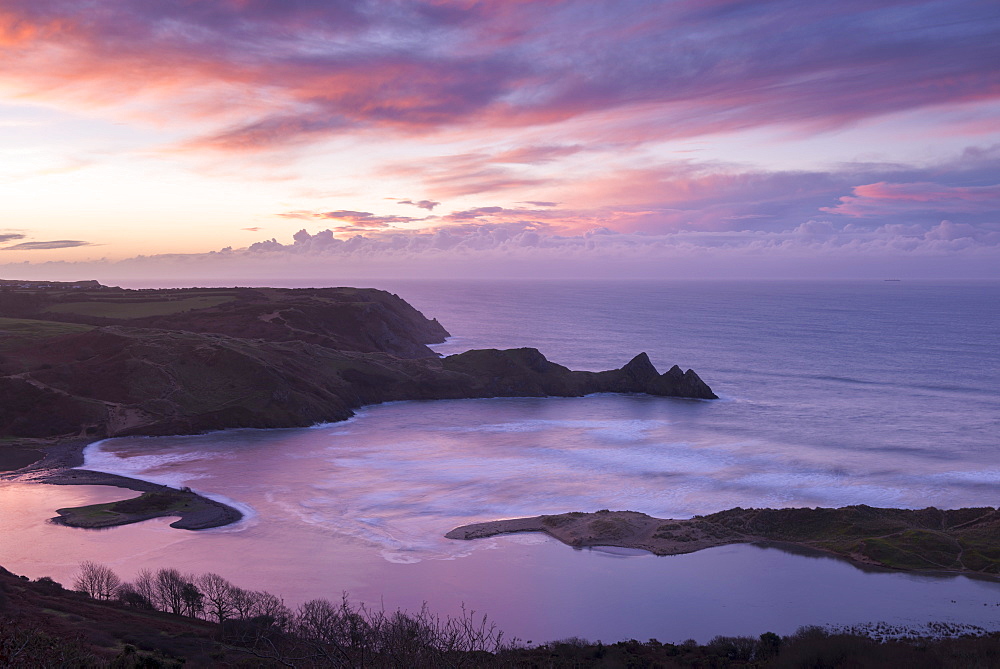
[[257, 358], [116, 381]]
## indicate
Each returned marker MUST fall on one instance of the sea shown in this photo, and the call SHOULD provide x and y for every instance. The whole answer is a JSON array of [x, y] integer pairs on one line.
[[875, 392]]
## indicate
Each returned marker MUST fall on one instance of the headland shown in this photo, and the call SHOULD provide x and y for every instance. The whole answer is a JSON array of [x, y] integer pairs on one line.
[[81, 362]]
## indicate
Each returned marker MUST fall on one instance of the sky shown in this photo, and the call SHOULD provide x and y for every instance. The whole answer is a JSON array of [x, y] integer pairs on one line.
[[262, 140]]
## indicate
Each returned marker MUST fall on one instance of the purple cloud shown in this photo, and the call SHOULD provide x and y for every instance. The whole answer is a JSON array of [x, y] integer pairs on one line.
[[316, 69], [44, 246], [423, 204], [493, 243], [880, 199], [364, 219]]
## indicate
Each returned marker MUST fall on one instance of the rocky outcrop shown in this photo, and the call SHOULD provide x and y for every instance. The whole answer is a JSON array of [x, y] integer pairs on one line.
[[526, 372], [115, 381]]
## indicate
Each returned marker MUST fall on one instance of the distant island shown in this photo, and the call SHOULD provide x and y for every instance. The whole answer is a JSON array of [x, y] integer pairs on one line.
[[80, 361], [962, 540]]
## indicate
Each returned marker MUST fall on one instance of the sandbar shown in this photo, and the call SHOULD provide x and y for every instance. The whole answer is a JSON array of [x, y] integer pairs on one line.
[[58, 466], [929, 540]]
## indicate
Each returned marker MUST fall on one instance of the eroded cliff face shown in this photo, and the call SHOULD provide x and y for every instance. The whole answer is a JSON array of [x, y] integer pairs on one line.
[[263, 358]]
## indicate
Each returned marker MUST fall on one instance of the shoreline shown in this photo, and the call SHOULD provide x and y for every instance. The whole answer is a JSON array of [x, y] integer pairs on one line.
[[58, 466]]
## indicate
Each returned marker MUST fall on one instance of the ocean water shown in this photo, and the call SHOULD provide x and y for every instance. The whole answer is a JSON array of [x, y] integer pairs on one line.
[[881, 393]]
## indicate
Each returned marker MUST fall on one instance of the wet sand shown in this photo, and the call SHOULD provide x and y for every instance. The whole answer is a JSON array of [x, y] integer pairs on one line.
[[57, 464]]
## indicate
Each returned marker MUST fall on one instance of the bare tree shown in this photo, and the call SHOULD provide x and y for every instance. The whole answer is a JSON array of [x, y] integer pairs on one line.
[[321, 634], [145, 585], [218, 593], [320, 620], [97, 580], [128, 595], [272, 607], [192, 597], [242, 602], [318, 633], [170, 590]]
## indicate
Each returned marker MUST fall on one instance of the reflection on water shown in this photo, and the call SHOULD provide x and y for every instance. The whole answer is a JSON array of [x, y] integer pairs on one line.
[[363, 506], [402, 475], [533, 586]]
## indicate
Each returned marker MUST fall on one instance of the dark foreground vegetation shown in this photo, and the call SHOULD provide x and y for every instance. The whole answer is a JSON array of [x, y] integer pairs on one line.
[[169, 619]]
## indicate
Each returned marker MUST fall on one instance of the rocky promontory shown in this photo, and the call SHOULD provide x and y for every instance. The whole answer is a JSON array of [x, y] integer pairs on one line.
[[117, 381], [526, 372], [260, 358]]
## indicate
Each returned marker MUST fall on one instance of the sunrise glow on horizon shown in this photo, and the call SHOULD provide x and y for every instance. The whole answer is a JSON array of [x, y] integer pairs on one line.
[[460, 138]]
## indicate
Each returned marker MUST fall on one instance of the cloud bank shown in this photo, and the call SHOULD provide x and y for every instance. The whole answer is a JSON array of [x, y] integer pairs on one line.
[[815, 249]]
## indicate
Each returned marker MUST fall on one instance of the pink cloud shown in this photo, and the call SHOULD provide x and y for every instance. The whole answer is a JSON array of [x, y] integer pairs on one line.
[[458, 175], [533, 155], [265, 74], [46, 245], [882, 198], [357, 219], [422, 204]]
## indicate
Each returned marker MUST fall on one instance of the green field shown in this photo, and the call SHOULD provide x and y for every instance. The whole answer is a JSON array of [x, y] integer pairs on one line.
[[128, 310], [15, 332]]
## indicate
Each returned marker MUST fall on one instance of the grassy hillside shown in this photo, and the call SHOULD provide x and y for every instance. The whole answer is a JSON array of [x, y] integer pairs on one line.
[[343, 319], [17, 332], [121, 309]]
